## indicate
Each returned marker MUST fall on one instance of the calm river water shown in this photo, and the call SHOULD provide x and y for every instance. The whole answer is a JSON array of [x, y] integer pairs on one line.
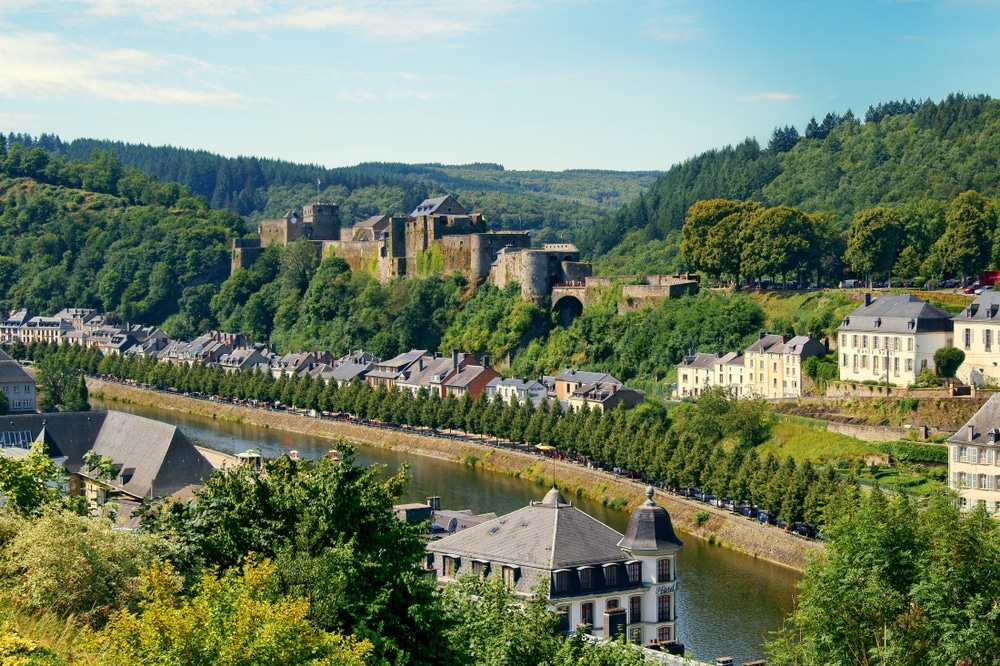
[[726, 603]]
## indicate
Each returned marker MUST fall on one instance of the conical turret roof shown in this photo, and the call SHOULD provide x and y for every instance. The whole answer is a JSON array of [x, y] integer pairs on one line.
[[650, 529]]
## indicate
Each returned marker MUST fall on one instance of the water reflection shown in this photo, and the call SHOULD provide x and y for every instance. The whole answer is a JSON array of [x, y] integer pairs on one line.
[[726, 602]]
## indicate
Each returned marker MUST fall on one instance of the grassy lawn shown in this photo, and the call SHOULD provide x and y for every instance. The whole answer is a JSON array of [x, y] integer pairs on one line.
[[805, 439]]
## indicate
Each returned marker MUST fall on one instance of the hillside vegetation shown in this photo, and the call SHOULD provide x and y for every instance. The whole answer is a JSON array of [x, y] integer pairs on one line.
[[912, 156], [555, 204]]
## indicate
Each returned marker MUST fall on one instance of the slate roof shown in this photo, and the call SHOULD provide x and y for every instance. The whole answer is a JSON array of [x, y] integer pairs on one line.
[[372, 222], [466, 376], [438, 368], [581, 377], [445, 205], [984, 308], [154, 458], [345, 372], [987, 418], [800, 345], [897, 314], [649, 529], [540, 538], [699, 361], [11, 371]]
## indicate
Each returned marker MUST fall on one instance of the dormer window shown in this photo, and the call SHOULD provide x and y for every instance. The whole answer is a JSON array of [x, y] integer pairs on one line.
[[993, 435]]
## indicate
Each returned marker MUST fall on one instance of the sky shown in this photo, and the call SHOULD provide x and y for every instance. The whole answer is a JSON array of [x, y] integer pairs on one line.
[[530, 84]]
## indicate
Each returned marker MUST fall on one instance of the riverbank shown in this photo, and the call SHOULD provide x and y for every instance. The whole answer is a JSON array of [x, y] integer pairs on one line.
[[721, 527]]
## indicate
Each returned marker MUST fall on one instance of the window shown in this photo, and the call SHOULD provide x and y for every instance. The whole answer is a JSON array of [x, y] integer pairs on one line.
[[987, 339], [854, 340], [909, 344], [864, 342], [967, 337], [480, 568], [635, 635], [634, 610], [874, 342], [612, 604], [843, 339], [973, 455], [663, 570], [909, 365], [663, 634], [510, 576], [587, 613], [429, 561], [563, 613], [663, 608], [844, 360], [586, 578], [634, 572], [611, 575], [561, 581], [684, 377], [450, 565], [895, 366], [923, 364], [864, 362]]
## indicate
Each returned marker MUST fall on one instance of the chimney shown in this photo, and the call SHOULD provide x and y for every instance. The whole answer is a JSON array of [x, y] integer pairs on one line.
[[868, 299], [762, 335], [434, 503], [486, 360], [972, 432], [454, 359]]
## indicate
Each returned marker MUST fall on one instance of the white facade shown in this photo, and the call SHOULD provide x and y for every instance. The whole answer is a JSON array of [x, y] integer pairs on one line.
[[977, 333], [974, 459], [891, 339]]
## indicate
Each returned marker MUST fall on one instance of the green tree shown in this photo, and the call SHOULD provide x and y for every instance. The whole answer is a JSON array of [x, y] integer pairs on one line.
[[348, 553], [31, 482], [947, 360], [873, 241], [962, 249]]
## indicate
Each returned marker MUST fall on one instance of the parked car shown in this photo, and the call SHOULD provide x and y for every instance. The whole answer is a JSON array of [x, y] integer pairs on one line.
[[985, 287]]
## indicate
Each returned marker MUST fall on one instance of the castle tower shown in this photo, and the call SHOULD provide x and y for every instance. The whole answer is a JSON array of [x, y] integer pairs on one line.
[[321, 220], [650, 541]]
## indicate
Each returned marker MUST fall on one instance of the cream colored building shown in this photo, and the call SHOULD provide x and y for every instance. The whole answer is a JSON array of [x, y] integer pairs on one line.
[[974, 459], [891, 339], [774, 364], [699, 372], [977, 333]]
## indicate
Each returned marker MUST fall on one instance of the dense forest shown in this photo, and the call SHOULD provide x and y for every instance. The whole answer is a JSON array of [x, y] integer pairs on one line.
[[904, 155], [555, 204]]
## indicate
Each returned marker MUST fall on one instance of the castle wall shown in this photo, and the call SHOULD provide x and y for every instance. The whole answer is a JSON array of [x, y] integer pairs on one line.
[[245, 252], [457, 253], [486, 247], [368, 256], [273, 231], [575, 271]]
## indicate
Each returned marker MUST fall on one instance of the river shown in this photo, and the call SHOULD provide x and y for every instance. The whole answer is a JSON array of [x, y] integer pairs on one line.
[[726, 602]]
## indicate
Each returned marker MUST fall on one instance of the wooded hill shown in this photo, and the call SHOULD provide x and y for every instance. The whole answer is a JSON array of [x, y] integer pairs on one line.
[[900, 154], [555, 204]]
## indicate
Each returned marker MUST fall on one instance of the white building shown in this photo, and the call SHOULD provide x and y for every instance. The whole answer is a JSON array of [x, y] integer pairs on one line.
[[891, 339], [596, 577], [974, 458], [977, 333], [516, 389], [17, 385]]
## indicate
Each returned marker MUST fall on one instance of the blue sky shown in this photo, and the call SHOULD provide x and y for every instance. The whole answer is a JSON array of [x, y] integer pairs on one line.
[[543, 84]]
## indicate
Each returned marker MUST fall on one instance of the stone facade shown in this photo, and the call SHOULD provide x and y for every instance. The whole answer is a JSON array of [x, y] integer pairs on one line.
[[538, 270], [439, 236]]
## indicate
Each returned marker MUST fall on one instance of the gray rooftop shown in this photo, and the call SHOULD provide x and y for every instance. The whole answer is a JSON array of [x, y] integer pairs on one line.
[[897, 314], [11, 371], [445, 205], [572, 375], [154, 458], [984, 308], [986, 419]]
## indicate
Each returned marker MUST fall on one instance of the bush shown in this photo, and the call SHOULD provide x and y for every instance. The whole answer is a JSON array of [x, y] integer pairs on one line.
[[75, 565], [927, 379], [914, 451], [700, 518]]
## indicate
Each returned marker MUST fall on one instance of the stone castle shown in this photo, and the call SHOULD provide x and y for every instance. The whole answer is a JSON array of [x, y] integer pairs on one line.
[[439, 236]]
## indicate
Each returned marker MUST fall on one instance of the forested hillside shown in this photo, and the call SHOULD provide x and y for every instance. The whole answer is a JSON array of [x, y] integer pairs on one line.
[[900, 154], [100, 235], [555, 204]]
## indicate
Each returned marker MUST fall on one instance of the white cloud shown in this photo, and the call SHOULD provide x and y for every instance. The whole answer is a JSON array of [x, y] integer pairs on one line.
[[358, 96], [420, 95], [768, 97], [676, 28], [371, 18], [44, 66]]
